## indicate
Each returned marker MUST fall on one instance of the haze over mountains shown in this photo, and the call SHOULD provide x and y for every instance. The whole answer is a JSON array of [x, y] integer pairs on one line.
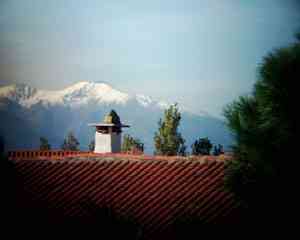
[[28, 113]]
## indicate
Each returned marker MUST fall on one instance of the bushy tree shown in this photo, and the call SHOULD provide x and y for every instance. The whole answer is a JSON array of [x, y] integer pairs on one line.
[[264, 127], [44, 144], [8, 186], [218, 150], [70, 143], [113, 117], [92, 145], [168, 141], [202, 146], [183, 151], [131, 144]]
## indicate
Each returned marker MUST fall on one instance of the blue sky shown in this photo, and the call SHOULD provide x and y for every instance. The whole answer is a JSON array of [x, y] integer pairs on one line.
[[200, 53]]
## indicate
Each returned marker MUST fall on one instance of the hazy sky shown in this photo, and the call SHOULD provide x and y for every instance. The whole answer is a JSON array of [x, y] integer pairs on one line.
[[200, 53]]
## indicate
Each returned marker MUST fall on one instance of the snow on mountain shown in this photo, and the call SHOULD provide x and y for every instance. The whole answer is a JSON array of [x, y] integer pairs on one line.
[[83, 92], [76, 95], [79, 94], [147, 101], [28, 113], [17, 92], [144, 100]]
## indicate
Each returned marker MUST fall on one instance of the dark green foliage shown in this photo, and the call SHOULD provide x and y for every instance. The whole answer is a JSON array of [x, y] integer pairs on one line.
[[131, 144], [70, 143], [115, 117], [202, 146], [44, 144], [182, 151], [218, 150], [168, 141], [264, 127], [1, 145], [8, 187], [92, 145]]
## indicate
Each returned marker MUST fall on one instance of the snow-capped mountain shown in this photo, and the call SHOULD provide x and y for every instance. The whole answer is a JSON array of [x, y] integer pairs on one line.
[[77, 95], [28, 113], [19, 93]]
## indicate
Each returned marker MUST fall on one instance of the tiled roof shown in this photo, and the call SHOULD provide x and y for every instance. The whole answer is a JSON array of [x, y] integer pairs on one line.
[[156, 193]]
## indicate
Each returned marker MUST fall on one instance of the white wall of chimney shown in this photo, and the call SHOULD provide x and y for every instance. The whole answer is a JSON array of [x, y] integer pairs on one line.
[[107, 143]]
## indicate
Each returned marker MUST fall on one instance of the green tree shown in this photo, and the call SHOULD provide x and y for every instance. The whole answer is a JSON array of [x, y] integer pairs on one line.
[[70, 143], [130, 144], [182, 150], [264, 127], [168, 141], [8, 184], [202, 146], [112, 117], [218, 150], [92, 145], [44, 144]]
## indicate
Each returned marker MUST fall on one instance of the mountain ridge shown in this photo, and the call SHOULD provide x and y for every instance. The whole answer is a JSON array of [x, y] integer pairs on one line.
[[80, 93], [29, 113]]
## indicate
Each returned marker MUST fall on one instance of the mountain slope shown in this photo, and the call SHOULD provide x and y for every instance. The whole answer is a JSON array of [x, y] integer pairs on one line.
[[28, 113], [79, 94]]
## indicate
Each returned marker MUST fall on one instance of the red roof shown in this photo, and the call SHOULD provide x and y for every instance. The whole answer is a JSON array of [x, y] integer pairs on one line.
[[156, 193]]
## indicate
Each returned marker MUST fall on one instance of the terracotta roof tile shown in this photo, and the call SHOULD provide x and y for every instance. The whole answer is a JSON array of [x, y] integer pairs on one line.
[[154, 192]]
